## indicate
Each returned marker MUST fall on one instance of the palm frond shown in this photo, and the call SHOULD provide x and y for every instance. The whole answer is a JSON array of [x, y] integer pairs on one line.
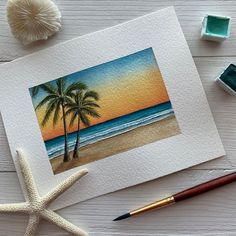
[[35, 90], [80, 104], [73, 112], [67, 100], [91, 94], [56, 113], [48, 113], [77, 86], [73, 117], [90, 104], [84, 119], [61, 85], [91, 111], [72, 96], [70, 111], [72, 106], [48, 88], [79, 97], [47, 99]]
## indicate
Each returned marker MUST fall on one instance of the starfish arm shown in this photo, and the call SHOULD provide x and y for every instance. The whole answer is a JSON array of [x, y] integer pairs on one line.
[[62, 223], [62, 187], [32, 225], [14, 208], [30, 185]]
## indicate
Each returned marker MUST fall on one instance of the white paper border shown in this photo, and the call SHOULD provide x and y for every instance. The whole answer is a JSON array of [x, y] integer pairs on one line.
[[199, 141]]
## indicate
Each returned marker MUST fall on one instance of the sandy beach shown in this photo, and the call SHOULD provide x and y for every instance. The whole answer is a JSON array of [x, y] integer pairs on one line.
[[135, 138]]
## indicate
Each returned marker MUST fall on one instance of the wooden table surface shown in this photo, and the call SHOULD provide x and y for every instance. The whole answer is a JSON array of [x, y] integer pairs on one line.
[[210, 214]]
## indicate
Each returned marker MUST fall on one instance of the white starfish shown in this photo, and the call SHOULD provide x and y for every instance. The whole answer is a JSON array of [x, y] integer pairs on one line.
[[36, 206]]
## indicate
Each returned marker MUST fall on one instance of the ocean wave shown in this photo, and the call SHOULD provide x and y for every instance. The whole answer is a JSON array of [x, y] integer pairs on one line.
[[135, 123], [58, 149]]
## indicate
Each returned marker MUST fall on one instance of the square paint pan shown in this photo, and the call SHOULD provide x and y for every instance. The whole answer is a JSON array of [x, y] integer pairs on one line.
[[227, 79], [216, 28]]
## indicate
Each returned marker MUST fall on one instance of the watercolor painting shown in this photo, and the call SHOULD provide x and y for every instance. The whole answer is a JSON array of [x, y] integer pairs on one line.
[[104, 110]]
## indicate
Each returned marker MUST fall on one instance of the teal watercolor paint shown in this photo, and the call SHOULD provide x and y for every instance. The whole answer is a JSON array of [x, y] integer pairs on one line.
[[216, 28], [227, 79]]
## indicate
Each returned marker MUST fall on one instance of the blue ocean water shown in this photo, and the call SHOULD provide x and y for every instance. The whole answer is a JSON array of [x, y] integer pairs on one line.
[[55, 147]]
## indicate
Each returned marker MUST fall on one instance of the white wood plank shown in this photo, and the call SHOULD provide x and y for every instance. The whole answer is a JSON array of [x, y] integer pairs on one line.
[[6, 162], [81, 17], [210, 213]]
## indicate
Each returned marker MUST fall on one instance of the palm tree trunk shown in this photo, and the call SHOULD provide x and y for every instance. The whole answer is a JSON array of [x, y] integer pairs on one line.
[[66, 151], [77, 144]]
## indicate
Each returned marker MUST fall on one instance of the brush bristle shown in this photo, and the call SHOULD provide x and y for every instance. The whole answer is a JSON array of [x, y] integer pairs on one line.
[[125, 216]]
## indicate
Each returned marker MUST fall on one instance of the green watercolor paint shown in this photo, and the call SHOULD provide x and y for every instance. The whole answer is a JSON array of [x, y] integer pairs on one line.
[[216, 25], [227, 79], [216, 28]]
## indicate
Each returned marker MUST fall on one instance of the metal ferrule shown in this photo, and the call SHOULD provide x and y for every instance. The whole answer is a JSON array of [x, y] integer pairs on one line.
[[155, 205]]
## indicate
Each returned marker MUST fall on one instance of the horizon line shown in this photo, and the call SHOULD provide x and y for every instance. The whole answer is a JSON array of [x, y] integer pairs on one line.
[[110, 120]]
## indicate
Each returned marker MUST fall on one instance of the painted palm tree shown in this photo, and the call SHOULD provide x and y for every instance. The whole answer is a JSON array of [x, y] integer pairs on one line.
[[80, 108], [58, 95]]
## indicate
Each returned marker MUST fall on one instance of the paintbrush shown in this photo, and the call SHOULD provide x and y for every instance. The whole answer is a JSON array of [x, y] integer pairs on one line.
[[188, 193]]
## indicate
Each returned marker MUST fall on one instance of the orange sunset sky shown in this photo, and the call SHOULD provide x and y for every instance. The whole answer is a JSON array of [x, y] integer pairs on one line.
[[125, 85]]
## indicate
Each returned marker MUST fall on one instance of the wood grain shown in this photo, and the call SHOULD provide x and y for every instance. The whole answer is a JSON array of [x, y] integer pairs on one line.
[[207, 214], [85, 16]]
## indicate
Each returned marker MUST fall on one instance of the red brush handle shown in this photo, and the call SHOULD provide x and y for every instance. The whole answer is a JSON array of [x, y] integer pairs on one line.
[[205, 187]]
